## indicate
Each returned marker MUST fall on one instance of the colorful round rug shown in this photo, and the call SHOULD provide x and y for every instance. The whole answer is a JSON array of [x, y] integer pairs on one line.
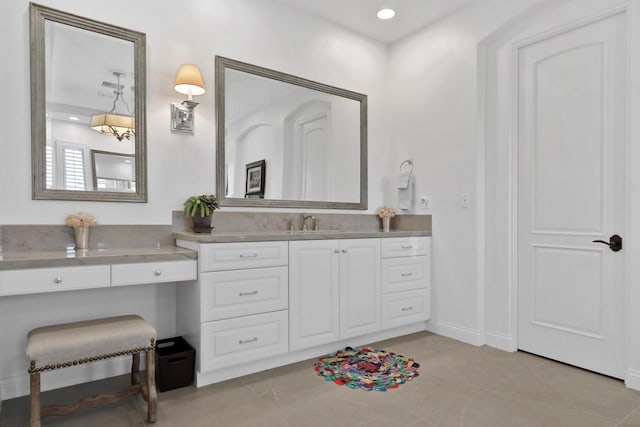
[[367, 369]]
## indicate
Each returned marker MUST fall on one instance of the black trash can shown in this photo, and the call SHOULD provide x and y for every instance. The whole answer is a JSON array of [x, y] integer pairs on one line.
[[175, 363]]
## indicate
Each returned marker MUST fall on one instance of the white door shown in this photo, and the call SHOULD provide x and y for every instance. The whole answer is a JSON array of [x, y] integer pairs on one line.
[[313, 293], [571, 187], [315, 152], [359, 287]]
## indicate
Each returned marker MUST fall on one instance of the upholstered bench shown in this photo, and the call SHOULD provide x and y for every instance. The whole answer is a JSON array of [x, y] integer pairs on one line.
[[70, 344]]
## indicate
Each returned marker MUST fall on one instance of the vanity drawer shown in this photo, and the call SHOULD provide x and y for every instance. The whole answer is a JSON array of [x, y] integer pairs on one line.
[[153, 272], [404, 274], [227, 294], [55, 279], [235, 341], [404, 246], [403, 308], [235, 256]]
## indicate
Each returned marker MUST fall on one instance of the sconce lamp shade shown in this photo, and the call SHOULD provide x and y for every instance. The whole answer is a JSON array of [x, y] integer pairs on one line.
[[115, 124], [189, 80]]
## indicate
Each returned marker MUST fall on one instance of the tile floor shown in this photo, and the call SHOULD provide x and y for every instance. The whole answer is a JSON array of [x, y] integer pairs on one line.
[[459, 385]]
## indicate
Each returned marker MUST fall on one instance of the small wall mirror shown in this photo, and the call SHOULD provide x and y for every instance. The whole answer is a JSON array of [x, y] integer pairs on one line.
[[284, 141], [88, 95]]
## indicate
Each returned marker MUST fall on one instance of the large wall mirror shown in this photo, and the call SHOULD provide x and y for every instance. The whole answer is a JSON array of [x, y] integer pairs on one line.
[[87, 98], [284, 141]]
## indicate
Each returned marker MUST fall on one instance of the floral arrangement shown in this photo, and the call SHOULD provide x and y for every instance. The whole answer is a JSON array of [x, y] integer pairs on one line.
[[386, 212], [81, 219]]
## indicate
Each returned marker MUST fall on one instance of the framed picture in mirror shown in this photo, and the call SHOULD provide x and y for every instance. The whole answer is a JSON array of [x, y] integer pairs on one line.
[[256, 174]]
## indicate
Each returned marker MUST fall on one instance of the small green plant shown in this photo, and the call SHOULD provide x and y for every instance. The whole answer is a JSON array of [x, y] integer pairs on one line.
[[204, 205]]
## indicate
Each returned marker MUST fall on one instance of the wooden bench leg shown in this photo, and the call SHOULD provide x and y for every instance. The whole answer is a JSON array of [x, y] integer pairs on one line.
[[135, 369], [34, 384], [152, 402]]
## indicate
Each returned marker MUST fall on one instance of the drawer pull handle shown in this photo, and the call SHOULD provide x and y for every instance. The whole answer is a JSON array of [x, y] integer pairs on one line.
[[406, 247], [57, 280], [407, 308], [344, 251], [254, 339], [244, 294], [157, 273], [406, 274], [249, 256], [337, 251]]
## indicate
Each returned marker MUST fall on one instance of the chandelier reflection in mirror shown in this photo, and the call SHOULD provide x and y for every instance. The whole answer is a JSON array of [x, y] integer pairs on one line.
[[119, 125]]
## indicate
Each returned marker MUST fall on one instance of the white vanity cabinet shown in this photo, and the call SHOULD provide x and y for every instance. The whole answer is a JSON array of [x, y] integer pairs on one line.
[[236, 312], [334, 290], [258, 305], [406, 280]]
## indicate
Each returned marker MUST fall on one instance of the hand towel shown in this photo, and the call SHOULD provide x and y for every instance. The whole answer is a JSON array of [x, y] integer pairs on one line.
[[405, 192]]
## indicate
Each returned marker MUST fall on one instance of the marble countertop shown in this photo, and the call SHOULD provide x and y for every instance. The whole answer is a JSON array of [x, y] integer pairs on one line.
[[71, 257], [271, 235]]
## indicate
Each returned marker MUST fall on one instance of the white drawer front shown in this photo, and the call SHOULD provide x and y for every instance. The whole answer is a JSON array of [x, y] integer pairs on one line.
[[226, 294], [235, 256], [404, 308], [55, 279], [404, 246], [231, 342], [153, 272], [404, 274]]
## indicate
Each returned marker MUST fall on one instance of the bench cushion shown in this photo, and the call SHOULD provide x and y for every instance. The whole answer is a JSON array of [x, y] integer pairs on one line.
[[68, 344]]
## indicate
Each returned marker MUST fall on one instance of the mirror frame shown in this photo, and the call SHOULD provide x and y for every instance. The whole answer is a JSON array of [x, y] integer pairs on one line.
[[38, 14], [94, 176], [223, 64]]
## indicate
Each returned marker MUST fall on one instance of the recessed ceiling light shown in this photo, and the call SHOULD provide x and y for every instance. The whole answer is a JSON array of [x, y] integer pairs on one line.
[[74, 118], [386, 14]]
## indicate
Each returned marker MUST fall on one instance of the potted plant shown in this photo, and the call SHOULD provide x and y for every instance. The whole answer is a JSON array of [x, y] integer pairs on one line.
[[200, 209]]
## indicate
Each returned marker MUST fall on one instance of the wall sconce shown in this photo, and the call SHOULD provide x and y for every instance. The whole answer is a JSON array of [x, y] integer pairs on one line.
[[188, 82]]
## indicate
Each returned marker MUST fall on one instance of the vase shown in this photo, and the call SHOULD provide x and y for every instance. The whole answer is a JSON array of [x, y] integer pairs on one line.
[[386, 222], [202, 224], [82, 237]]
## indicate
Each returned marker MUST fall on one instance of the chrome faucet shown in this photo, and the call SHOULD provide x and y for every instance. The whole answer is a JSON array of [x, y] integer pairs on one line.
[[304, 221]]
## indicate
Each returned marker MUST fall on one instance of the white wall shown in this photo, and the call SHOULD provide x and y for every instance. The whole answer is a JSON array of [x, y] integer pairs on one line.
[[255, 31], [433, 78]]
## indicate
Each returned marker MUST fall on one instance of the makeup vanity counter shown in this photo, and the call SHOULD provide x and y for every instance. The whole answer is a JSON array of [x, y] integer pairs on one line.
[[32, 272], [66, 258]]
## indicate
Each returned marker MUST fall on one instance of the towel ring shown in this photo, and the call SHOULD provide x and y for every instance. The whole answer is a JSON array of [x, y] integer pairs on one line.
[[408, 162]]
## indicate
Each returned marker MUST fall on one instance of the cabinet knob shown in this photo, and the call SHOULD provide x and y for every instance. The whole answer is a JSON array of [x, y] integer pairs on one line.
[[57, 280], [157, 273]]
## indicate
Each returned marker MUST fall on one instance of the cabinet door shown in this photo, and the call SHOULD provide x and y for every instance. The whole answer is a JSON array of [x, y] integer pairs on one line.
[[313, 293], [359, 287]]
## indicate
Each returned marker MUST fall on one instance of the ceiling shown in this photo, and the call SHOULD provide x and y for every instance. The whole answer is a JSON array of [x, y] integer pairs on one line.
[[360, 15]]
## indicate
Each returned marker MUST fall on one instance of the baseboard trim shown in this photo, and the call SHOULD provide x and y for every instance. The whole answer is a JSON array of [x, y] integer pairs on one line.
[[19, 386], [632, 379], [457, 332], [500, 341]]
